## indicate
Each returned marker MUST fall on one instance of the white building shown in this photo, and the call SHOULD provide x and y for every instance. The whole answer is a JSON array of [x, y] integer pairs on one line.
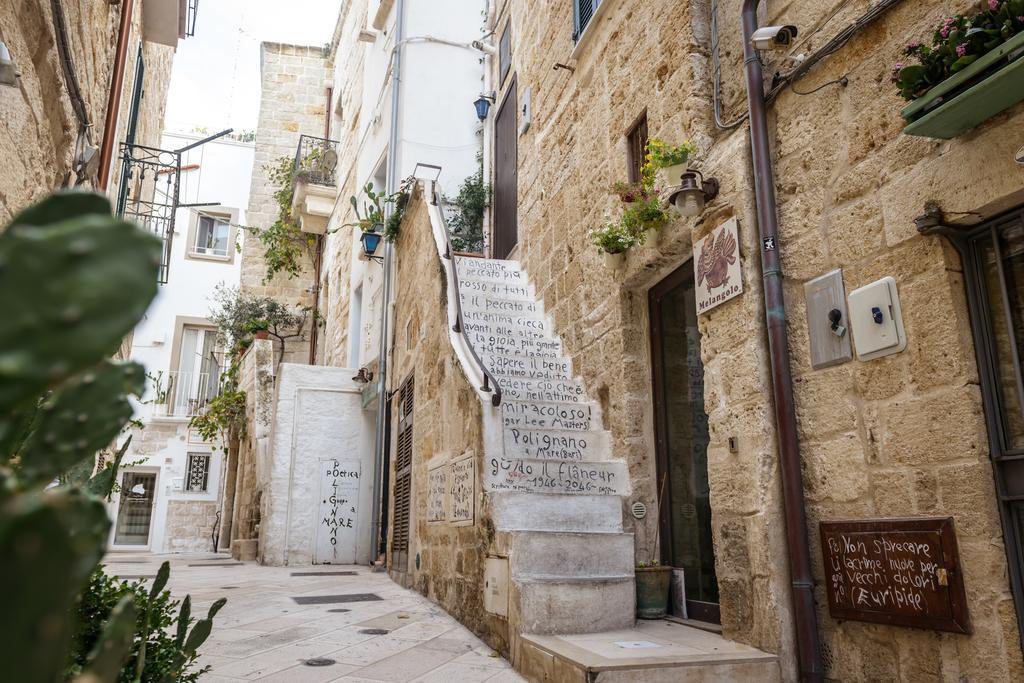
[[171, 480]]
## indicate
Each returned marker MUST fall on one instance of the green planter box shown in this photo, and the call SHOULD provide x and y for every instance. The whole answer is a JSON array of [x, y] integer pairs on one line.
[[968, 98]]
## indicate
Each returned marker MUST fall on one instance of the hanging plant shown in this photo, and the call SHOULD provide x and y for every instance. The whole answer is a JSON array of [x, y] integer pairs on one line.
[[284, 243], [394, 223]]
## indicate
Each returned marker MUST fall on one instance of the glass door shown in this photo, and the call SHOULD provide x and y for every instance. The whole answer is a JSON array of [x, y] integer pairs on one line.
[[682, 442], [135, 512]]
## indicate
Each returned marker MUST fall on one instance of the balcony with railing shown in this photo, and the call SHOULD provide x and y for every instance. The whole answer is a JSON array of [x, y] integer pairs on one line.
[[316, 164], [187, 394]]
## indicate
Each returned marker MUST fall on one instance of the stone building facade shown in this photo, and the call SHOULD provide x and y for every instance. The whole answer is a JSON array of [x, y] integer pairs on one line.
[[39, 119]]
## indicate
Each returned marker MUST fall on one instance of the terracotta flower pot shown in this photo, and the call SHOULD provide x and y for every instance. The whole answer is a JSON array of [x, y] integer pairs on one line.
[[652, 584], [262, 334]]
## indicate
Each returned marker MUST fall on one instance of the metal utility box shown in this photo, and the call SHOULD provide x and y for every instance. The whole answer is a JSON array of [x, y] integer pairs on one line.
[[877, 320], [827, 320], [496, 586]]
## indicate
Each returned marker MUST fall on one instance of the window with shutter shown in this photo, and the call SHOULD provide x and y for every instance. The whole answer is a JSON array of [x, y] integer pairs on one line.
[[636, 148], [403, 479], [504, 54], [582, 13]]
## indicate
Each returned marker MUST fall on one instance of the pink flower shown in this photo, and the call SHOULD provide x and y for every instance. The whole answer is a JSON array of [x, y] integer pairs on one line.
[[947, 27], [961, 50], [993, 4]]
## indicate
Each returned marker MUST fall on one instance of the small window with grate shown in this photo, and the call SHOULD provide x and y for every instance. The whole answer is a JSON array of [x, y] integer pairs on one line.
[[636, 149], [505, 54], [197, 475], [403, 478], [582, 12]]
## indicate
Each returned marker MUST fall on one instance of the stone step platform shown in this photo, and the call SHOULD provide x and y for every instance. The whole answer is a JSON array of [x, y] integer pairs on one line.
[[547, 555], [583, 416], [487, 303], [532, 322], [483, 272], [557, 605], [470, 263], [524, 367], [542, 390], [515, 345], [506, 334], [497, 290], [547, 444], [533, 475], [673, 653], [556, 512]]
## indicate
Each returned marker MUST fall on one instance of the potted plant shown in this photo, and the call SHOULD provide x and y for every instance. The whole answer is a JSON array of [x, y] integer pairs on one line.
[[371, 219], [671, 160], [259, 328], [972, 70], [613, 240], [652, 585], [630, 192], [644, 214]]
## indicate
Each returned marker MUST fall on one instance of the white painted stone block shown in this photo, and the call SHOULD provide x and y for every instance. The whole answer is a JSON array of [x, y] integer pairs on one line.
[[555, 512], [576, 416], [515, 345], [548, 444], [546, 390], [486, 303], [556, 476], [498, 290], [571, 554], [568, 606]]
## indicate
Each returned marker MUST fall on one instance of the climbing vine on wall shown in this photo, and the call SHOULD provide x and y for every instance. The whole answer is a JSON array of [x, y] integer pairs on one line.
[[284, 243]]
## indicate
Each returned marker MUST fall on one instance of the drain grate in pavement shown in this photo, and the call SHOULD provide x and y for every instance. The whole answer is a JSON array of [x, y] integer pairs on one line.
[[217, 564], [339, 609], [374, 631], [227, 588], [330, 599], [325, 573], [319, 661]]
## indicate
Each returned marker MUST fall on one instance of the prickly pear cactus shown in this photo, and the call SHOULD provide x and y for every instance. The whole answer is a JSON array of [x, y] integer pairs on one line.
[[115, 644], [73, 281]]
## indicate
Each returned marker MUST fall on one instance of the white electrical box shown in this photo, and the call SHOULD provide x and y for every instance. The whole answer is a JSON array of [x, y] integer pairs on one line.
[[496, 586], [876, 320]]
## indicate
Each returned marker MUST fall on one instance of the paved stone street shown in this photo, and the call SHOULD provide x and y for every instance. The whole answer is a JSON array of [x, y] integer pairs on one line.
[[382, 633]]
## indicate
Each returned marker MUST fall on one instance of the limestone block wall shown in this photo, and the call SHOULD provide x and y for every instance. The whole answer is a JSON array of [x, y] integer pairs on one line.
[[256, 378], [38, 127], [294, 82], [900, 436], [190, 525], [447, 425]]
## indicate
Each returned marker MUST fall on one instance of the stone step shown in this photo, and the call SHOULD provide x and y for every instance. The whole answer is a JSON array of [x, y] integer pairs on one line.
[[501, 322], [497, 290], [545, 555], [539, 415], [544, 390], [531, 475], [515, 345], [485, 303], [556, 512], [576, 605], [469, 270], [547, 444], [525, 367], [488, 263], [501, 332]]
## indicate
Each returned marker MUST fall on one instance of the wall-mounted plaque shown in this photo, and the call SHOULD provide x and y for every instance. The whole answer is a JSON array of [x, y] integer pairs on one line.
[[901, 572], [716, 266], [437, 493], [463, 490]]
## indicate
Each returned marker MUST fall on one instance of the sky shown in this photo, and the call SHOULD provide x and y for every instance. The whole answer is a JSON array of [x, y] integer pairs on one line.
[[216, 79]]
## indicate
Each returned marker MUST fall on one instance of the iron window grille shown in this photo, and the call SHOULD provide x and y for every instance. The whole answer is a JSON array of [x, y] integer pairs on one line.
[[197, 475], [316, 160], [190, 18], [582, 12]]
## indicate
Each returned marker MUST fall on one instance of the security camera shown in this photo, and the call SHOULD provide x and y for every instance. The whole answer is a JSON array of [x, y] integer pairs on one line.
[[773, 37]]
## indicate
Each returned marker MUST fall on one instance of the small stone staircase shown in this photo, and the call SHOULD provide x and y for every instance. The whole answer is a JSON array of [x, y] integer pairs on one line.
[[555, 489]]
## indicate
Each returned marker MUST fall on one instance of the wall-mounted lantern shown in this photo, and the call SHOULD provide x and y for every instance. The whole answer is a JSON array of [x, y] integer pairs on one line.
[[692, 194], [483, 105], [371, 242]]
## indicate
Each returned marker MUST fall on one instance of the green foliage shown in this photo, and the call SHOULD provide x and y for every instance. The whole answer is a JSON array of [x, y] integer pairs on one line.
[[372, 216], [225, 412], [613, 238], [660, 154], [73, 281], [284, 243], [160, 645], [956, 44], [643, 215], [235, 312], [470, 205], [394, 222]]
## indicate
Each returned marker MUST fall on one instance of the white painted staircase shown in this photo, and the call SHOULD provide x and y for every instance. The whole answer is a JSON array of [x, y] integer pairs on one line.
[[555, 488]]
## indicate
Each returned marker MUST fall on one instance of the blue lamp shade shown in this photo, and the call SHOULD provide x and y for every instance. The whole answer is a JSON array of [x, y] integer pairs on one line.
[[483, 105], [370, 240]]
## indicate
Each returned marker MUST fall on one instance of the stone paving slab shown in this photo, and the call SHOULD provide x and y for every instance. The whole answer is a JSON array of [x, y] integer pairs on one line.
[[262, 635]]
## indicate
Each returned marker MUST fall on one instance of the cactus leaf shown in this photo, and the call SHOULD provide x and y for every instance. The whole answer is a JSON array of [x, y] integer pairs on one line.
[[215, 607], [80, 418], [70, 291], [61, 206], [200, 632], [49, 542], [14, 429], [183, 619], [160, 581], [102, 483], [111, 650]]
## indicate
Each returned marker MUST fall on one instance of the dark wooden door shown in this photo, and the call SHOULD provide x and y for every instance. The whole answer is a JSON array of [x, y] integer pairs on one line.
[[681, 427], [506, 232]]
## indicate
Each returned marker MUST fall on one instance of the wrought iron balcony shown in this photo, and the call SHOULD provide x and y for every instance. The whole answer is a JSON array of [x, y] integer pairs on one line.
[[316, 160], [187, 394]]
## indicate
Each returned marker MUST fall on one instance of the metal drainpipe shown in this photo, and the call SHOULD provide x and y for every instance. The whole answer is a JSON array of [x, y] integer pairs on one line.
[[808, 643], [382, 369], [114, 98]]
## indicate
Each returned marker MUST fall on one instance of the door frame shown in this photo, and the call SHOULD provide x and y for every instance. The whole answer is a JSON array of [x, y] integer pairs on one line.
[[116, 509], [695, 609], [511, 93]]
